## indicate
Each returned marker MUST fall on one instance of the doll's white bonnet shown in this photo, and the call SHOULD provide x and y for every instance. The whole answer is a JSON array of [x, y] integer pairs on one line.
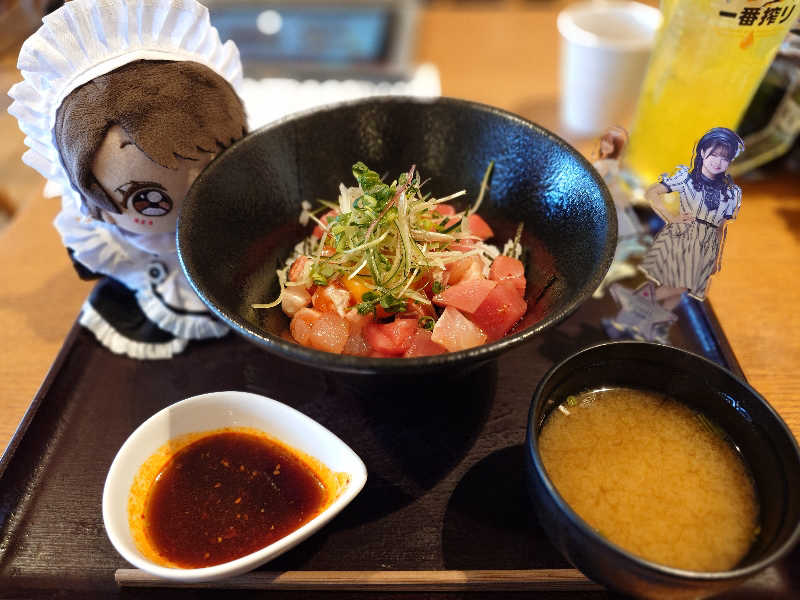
[[87, 38]]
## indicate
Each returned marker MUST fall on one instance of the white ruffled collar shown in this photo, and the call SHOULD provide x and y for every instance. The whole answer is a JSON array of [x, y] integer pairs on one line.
[[146, 264], [153, 243]]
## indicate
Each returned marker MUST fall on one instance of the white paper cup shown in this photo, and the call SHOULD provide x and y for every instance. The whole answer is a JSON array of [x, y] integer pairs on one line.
[[604, 51]]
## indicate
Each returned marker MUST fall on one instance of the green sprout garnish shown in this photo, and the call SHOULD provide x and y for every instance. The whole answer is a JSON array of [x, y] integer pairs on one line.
[[390, 235], [371, 300], [427, 323]]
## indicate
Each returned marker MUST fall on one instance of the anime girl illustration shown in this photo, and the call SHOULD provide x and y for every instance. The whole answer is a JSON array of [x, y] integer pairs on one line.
[[631, 234], [688, 249], [122, 120]]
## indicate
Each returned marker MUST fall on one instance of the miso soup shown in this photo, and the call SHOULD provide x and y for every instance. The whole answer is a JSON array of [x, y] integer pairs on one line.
[[652, 476]]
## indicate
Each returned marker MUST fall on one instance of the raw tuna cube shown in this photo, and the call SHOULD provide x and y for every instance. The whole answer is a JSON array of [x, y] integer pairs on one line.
[[466, 296], [505, 268], [502, 308], [332, 214], [447, 211], [479, 227], [391, 338]]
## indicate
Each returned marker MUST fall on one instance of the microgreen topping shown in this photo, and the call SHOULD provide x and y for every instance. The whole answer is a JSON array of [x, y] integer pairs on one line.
[[391, 236]]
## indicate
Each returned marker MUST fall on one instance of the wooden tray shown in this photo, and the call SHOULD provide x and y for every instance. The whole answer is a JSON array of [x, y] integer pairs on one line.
[[444, 509]]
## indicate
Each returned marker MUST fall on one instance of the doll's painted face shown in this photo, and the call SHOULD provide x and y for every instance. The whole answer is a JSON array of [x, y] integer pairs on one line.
[[606, 147], [715, 161], [149, 195]]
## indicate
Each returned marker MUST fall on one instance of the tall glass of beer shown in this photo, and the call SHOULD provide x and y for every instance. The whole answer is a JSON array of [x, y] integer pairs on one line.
[[708, 61]]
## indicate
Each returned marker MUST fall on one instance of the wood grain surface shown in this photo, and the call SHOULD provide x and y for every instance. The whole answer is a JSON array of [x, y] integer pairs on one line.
[[502, 53], [487, 580]]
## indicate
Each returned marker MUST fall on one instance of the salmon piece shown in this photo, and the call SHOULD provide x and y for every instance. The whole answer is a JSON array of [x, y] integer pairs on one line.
[[317, 233], [302, 323], [299, 268], [464, 245], [357, 320], [330, 333], [444, 209], [331, 298]]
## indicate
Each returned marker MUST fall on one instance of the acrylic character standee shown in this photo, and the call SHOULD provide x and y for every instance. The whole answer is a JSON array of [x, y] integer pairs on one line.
[[632, 237], [124, 102], [688, 249]]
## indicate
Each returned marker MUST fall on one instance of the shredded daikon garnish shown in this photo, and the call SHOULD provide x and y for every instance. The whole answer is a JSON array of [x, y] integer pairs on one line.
[[389, 237]]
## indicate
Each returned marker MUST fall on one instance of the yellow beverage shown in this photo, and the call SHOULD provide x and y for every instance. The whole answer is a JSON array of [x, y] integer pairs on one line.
[[664, 6], [708, 60]]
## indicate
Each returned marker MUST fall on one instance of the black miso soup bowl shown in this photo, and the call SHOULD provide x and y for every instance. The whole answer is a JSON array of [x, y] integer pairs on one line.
[[239, 221], [763, 439]]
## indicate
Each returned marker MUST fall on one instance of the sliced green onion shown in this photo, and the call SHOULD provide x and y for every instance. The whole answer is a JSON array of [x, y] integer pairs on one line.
[[357, 270], [370, 244], [427, 322]]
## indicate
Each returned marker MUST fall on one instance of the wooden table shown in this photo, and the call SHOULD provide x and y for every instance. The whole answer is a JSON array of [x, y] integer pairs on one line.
[[500, 53]]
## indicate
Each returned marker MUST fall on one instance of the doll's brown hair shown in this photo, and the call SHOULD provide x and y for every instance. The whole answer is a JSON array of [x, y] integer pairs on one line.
[[617, 137], [170, 110]]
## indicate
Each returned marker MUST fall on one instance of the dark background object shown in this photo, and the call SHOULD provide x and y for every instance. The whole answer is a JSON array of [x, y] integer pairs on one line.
[[318, 39], [771, 135], [20, 18], [239, 220], [765, 442]]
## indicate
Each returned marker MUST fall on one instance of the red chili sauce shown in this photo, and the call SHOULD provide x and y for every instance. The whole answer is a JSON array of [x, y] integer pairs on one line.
[[227, 495]]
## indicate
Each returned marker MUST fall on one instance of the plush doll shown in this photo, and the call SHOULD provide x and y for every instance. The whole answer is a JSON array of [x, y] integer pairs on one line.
[[124, 102]]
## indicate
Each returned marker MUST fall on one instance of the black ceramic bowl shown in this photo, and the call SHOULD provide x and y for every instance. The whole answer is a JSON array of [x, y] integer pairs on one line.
[[761, 436], [240, 218]]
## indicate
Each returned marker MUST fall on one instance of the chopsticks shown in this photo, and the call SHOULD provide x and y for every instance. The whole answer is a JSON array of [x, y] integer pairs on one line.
[[442, 581]]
